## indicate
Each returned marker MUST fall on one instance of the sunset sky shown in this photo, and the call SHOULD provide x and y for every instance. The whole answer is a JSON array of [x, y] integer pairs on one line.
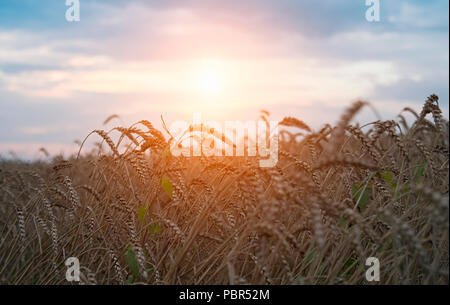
[[225, 59]]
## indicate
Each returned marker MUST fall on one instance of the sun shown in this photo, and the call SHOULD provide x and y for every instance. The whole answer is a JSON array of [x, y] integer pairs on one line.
[[210, 78], [210, 82]]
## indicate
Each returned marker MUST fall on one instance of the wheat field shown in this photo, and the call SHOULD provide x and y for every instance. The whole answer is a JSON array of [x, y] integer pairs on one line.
[[134, 214]]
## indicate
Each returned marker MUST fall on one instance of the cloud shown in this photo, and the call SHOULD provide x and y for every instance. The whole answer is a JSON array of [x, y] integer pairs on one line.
[[32, 150], [420, 15], [139, 59], [35, 130]]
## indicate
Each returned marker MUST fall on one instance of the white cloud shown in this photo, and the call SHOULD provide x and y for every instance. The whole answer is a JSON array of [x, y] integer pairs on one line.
[[421, 16], [34, 130], [31, 150]]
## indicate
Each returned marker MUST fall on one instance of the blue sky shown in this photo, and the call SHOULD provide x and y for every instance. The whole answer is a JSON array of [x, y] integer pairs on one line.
[[141, 59]]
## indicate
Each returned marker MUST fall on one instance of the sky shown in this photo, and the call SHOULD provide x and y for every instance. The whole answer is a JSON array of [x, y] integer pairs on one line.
[[227, 60]]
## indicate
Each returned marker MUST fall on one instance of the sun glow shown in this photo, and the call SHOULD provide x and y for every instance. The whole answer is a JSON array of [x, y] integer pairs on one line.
[[211, 78]]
